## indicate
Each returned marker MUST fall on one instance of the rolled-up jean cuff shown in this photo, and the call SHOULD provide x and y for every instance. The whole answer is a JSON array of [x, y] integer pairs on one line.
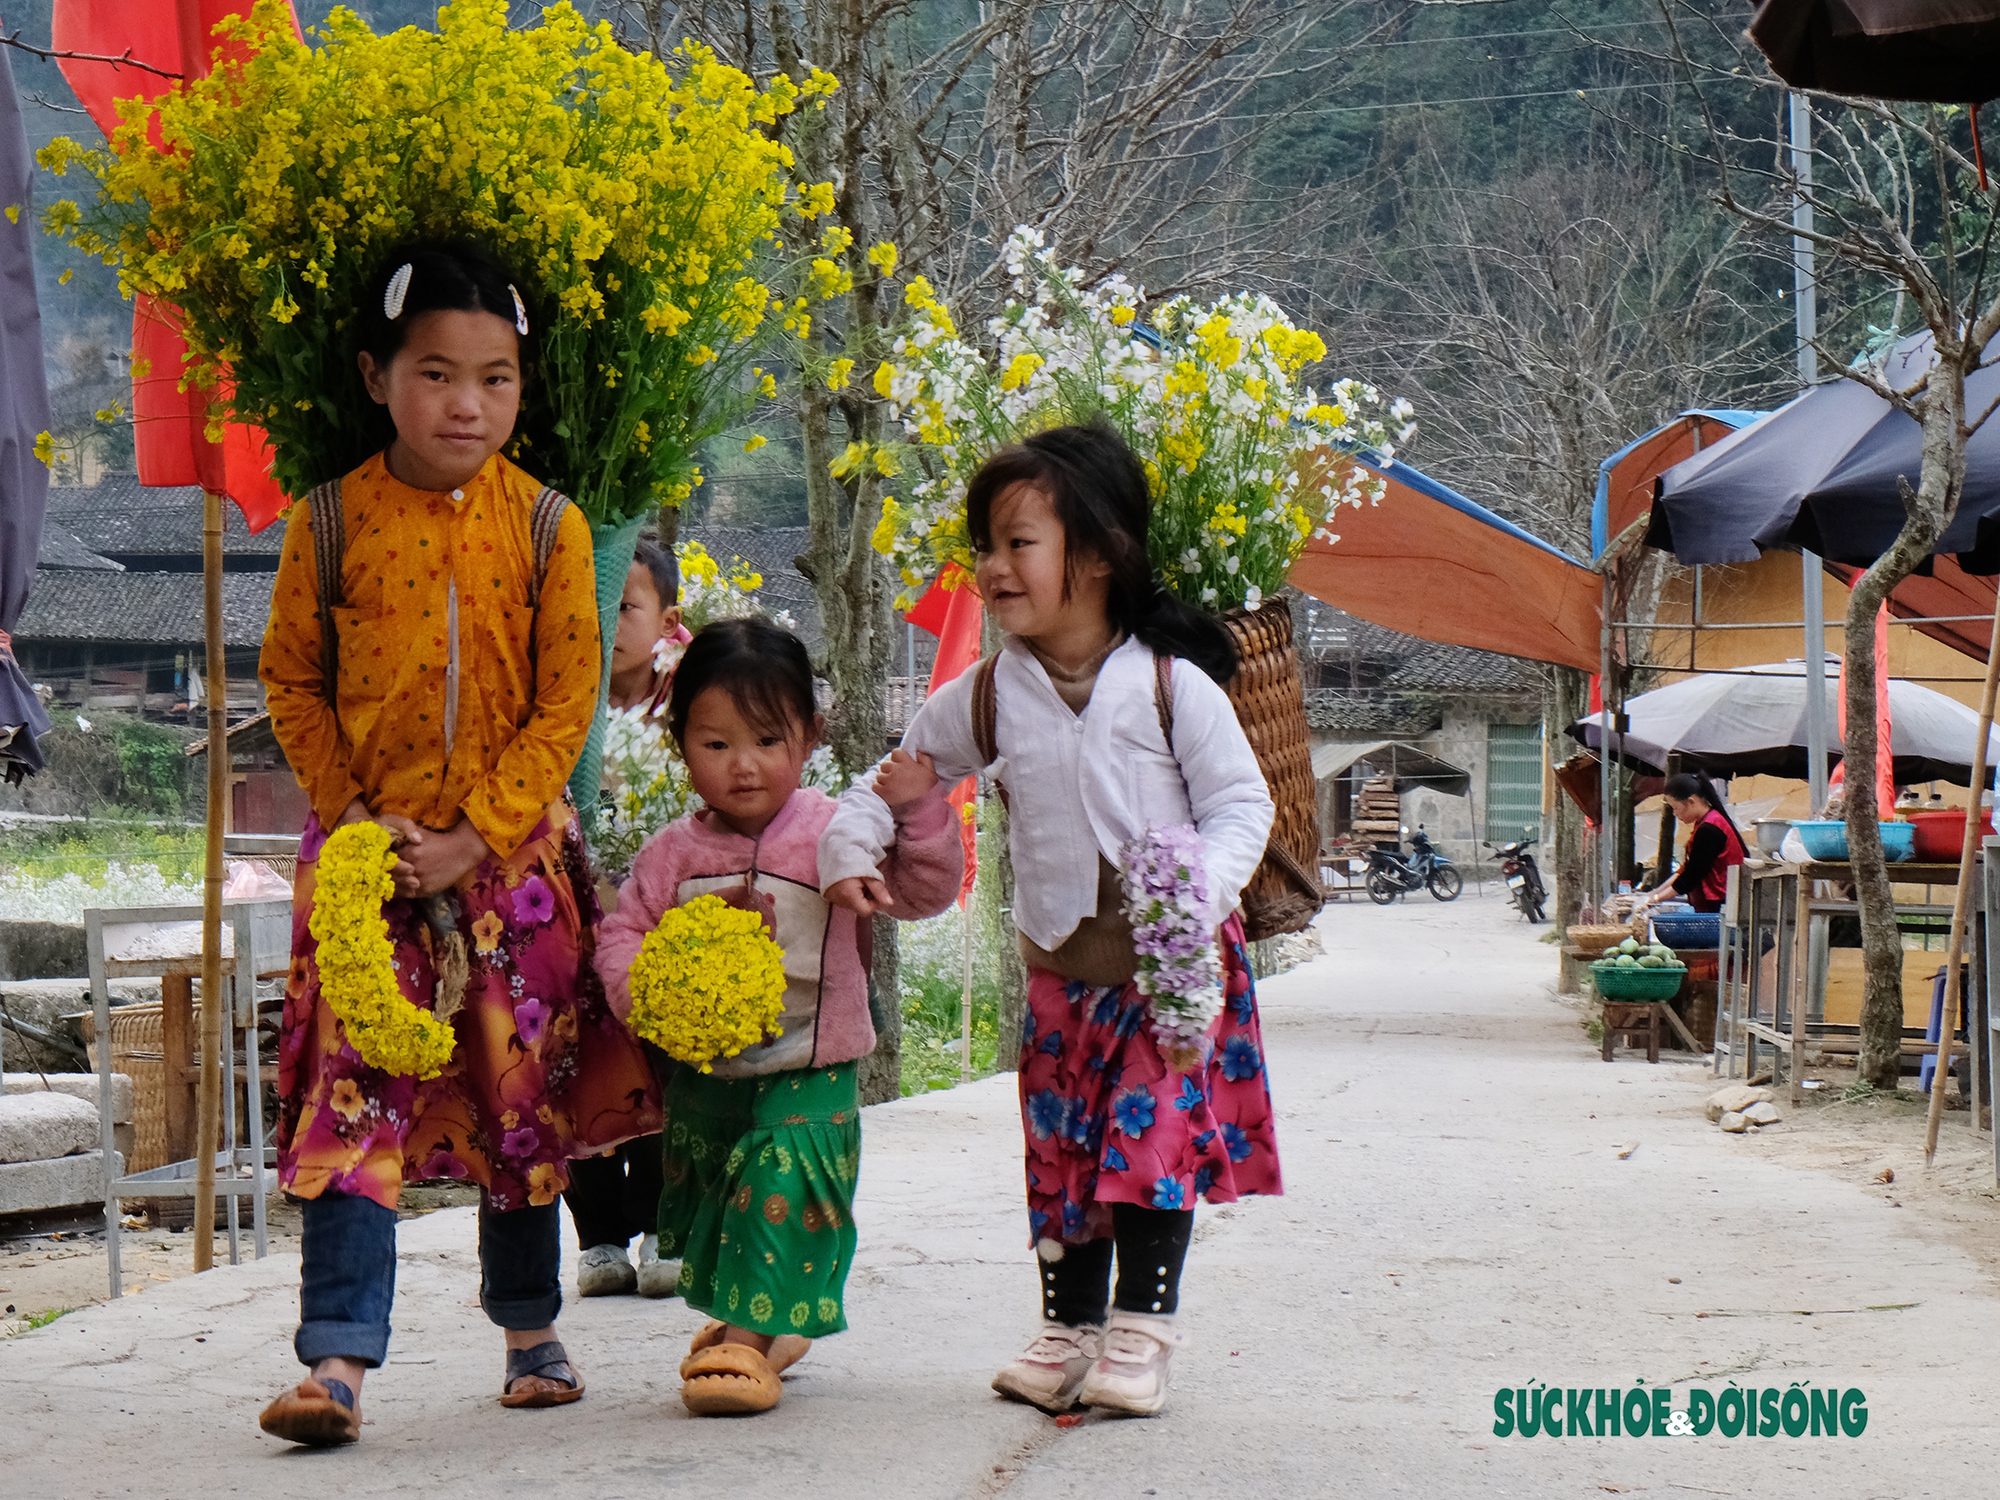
[[522, 1314], [366, 1344]]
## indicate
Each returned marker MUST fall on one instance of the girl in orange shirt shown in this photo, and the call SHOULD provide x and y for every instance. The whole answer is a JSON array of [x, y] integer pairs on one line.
[[444, 690]]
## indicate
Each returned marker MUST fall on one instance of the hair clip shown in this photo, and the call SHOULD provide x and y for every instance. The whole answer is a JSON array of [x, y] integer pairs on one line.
[[520, 312], [398, 289]]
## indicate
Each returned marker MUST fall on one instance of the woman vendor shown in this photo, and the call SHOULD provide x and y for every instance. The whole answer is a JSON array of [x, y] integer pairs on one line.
[[1713, 848]]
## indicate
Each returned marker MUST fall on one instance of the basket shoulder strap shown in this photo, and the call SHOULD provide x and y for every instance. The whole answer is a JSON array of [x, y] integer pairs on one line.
[[986, 709], [329, 529], [1163, 697], [544, 525]]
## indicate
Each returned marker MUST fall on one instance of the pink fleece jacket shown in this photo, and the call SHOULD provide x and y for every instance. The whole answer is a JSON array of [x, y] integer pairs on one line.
[[826, 1017]]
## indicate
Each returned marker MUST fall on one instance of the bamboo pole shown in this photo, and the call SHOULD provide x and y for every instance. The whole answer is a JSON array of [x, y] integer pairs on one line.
[[214, 1012], [1961, 904]]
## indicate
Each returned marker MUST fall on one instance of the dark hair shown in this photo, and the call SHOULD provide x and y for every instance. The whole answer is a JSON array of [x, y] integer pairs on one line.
[[1098, 489], [1685, 784], [763, 668], [664, 567], [445, 276]]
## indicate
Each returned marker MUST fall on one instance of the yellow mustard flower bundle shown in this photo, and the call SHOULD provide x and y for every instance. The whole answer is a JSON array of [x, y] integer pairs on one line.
[[707, 983], [357, 973], [642, 201]]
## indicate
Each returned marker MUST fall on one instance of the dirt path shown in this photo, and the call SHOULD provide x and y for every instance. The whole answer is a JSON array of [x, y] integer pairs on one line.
[[1474, 1201]]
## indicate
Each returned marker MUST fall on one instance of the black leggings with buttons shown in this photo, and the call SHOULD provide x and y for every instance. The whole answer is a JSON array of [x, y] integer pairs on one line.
[[1151, 1243]]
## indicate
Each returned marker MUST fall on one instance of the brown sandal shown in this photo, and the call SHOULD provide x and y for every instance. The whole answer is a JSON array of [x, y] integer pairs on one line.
[[546, 1361], [786, 1350], [729, 1380], [315, 1413]]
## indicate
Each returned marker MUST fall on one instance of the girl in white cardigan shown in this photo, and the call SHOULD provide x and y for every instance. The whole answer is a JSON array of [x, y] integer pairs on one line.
[[1093, 745]]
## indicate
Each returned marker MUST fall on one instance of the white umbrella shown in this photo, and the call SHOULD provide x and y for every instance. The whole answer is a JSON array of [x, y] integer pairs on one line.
[[1754, 721]]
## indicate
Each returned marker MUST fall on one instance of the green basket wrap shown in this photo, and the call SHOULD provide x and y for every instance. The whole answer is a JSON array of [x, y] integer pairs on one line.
[[611, 550], [1614, 983]]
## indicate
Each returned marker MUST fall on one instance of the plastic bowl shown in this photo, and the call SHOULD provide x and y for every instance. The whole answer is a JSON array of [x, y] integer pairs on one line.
[[1688, 928], [1614, 983], [1941, 835], [1827, 840]]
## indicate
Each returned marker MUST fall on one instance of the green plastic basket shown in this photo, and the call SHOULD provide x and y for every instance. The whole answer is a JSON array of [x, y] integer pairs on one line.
[[1614, 983]]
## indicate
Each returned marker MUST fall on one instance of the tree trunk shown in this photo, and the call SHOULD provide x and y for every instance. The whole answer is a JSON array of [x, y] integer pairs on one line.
[[1013, 973], [881, 1071], [1927, 513], [1565, 700]]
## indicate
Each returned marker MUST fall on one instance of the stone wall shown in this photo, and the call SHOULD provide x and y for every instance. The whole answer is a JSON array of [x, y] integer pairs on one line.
[[41, 950]]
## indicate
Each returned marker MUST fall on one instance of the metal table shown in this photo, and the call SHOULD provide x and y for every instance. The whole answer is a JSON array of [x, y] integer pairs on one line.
[[258, 939], [1772, 908]]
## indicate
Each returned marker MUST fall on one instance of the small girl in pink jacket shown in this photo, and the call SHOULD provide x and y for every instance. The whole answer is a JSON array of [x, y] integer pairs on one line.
[[760, 1154]]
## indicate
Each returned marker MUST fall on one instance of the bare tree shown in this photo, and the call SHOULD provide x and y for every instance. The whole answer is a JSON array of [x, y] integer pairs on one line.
[[1899, 207]]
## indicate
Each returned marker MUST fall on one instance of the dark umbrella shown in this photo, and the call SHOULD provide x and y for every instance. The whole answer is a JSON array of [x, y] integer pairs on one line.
[[1825, 475], [24, 415], [1945, 51], [1754, 722]]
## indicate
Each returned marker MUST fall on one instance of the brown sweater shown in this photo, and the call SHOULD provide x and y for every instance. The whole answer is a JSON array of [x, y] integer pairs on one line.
[[1100, 951]]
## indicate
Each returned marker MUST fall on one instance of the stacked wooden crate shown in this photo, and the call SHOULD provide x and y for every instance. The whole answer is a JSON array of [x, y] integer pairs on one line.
[[1378, 811]]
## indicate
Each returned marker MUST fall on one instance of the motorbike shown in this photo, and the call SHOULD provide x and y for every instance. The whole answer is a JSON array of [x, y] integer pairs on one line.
[[1523, 877], [1390, 875]]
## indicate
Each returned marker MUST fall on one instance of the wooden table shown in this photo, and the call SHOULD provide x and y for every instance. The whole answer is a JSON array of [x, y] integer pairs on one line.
[[1779, 901]]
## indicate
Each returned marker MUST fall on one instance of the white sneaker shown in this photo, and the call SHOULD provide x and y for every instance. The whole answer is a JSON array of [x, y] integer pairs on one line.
[[657, 1278], [1051, 1369], [603, 1271], [1131, 1376]]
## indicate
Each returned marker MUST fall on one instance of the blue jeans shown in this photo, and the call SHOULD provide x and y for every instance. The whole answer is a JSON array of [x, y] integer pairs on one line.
[[348, 1279]]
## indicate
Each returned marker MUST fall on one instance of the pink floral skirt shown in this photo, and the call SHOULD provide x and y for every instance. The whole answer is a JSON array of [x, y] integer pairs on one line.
[[1108, 1121], [543, 1071]]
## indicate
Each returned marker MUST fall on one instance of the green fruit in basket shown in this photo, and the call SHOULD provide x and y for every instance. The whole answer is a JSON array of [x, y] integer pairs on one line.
[[1652, 961], [1661, 950], [1627, 961], [1630, 945]]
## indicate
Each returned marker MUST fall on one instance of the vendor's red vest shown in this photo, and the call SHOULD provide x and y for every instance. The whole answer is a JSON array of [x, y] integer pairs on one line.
[[1715, 884]]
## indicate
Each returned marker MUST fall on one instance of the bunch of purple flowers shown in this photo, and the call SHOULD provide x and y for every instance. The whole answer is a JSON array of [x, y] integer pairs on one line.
[[1166, 901]]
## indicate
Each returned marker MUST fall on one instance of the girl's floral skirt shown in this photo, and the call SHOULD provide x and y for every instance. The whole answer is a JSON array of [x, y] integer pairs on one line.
[[759, 1196], [1108, 1121], [543, 1071]]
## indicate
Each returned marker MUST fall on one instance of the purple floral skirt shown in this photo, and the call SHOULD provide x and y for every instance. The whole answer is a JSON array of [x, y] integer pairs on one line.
[[1107, 1120], [543, 1071]]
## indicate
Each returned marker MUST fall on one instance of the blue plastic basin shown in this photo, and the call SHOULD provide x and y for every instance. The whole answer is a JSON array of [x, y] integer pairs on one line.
[[1827, 840]]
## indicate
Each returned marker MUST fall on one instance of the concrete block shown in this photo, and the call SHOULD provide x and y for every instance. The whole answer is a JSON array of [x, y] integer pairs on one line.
[[35, 1127], [34, 1186], [78, 1086]]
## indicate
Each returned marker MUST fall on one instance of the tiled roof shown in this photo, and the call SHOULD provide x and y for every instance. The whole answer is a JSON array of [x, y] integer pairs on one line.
[[1324, 633], [1461, 669], [120, 516], [1385, 718], [60, 549], [155, 608]]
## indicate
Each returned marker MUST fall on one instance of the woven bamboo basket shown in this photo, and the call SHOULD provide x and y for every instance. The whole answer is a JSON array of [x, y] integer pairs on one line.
[[1605, 935], [138, 1052], [1284, 894]]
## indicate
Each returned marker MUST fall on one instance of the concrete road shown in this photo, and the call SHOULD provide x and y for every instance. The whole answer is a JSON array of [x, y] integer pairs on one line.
[[1458, 1219]]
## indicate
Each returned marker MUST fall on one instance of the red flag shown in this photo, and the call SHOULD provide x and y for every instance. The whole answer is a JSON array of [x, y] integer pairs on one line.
[[951, 610], [169, 425]]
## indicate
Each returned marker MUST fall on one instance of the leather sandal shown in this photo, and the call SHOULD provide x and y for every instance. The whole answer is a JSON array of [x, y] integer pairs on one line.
[[729, 1380], [315, 1413], [546, 1361], [786, 1350]]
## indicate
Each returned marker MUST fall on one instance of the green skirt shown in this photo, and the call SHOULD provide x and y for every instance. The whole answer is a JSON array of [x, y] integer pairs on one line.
[[759, 1197]]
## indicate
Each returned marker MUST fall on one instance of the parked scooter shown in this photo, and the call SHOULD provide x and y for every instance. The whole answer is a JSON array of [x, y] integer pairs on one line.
[[1390, 875], [1523, 877]]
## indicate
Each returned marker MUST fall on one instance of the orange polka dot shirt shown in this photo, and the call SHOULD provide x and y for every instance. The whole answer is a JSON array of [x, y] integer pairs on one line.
[[526, 681]]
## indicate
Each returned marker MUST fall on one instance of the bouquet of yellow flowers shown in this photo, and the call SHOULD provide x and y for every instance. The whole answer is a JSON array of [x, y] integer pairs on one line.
[[1244, 458], [708, 982], [641, 200], [356, 960]]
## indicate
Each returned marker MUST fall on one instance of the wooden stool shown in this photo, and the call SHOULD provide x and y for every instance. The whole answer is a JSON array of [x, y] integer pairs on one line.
[[1631, 1020]]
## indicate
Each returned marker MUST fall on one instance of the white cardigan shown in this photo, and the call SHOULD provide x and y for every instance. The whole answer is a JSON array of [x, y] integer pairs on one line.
[[1081, 785]]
